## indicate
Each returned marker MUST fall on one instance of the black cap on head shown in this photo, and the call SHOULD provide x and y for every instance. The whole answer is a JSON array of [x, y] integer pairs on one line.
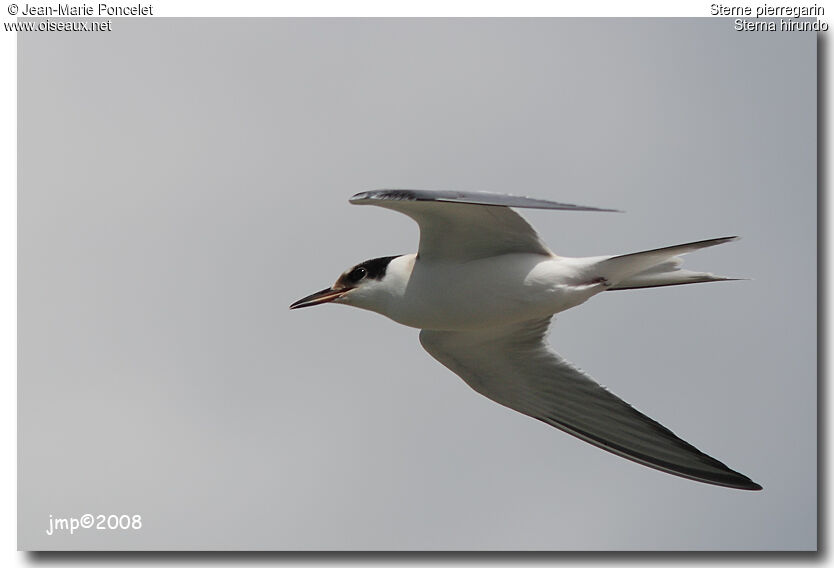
[[374, 269]]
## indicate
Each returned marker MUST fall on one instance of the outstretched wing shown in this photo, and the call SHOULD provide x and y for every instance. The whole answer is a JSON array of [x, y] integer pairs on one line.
[[514, 367], [460, 226]]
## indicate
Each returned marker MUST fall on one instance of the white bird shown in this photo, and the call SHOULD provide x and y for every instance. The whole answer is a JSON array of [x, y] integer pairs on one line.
[[483, 288]]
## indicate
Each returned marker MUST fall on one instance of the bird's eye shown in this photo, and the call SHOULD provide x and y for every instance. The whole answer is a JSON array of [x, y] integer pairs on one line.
[[357, 274]]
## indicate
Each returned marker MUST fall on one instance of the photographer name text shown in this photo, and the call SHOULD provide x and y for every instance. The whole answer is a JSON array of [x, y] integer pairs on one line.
[[86, 10]]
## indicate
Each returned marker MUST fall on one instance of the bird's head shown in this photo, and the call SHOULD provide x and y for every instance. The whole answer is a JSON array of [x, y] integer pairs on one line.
[[366, 285]]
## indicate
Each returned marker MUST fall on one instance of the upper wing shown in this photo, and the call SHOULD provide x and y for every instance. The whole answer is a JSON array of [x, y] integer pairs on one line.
[[514, 367], [460, 226]]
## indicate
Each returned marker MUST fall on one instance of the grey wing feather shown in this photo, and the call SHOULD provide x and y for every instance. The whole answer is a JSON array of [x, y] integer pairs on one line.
[[469, 197], [514, 367], [461, 226]]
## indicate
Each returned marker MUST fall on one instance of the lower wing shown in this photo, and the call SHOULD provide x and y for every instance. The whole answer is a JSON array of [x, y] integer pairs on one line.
[[514, 367]]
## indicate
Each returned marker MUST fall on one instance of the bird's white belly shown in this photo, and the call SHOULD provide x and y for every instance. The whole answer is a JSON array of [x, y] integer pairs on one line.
[[490, 292]]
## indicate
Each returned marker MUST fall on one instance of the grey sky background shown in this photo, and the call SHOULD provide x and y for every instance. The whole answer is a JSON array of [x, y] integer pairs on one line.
[[183, 181]]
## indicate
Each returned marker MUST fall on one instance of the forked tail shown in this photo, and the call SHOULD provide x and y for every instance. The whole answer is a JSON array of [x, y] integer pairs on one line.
[[658, 267]]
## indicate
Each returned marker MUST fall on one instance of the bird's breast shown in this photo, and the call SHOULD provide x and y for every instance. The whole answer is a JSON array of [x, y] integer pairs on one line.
[[484, 293]]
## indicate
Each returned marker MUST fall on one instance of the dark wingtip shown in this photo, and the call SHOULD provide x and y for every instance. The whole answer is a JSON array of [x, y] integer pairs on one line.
[[570, 206], [730, 479], [740, 481], [358, 196], [749, 485]]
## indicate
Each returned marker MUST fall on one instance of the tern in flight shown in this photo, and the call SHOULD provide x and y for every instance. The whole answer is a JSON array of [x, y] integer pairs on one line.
[[482, 289]]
